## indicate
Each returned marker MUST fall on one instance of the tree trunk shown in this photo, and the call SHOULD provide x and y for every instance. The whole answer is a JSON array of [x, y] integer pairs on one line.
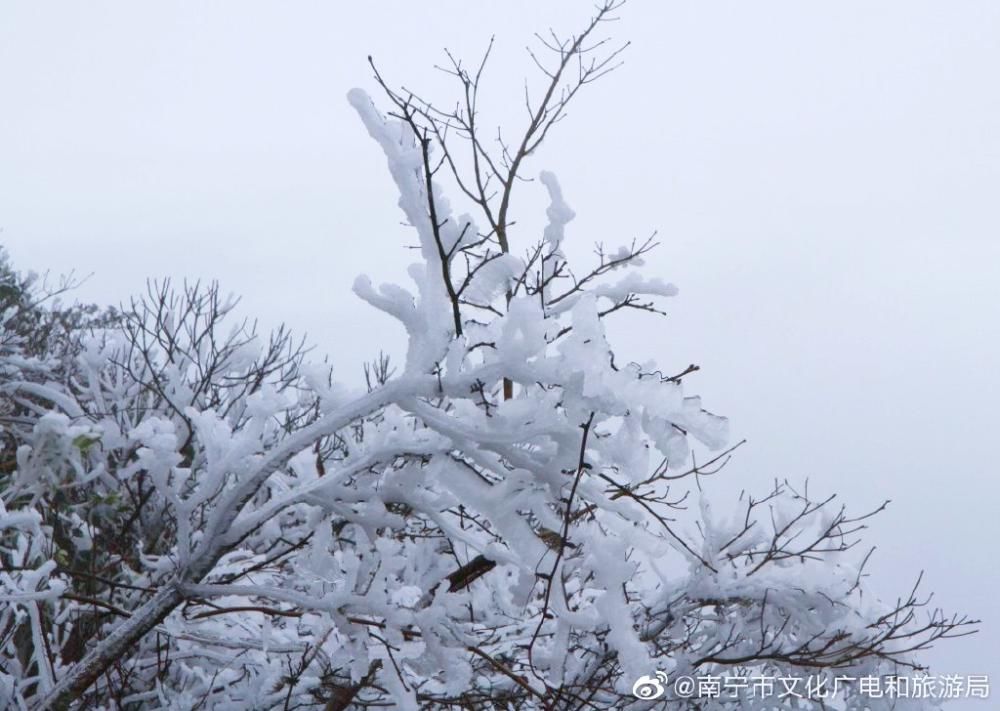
[[83, 674]]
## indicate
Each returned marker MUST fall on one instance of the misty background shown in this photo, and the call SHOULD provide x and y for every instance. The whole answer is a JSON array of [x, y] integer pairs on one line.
[[823, 178]]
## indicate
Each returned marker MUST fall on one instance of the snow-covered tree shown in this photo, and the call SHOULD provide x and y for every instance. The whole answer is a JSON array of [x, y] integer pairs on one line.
[[193, 515]]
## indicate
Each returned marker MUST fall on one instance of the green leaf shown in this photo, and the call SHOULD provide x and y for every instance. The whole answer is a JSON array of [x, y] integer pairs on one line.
[[85, 442]]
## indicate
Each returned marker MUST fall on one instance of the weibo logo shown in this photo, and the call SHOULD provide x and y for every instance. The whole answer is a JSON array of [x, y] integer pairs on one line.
[[650, 687]]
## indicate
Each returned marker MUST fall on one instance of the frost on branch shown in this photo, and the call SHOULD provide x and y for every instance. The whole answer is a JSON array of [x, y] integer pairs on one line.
[[194, 516]]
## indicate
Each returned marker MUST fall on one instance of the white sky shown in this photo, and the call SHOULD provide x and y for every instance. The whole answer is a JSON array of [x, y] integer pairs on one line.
[[823, 175]]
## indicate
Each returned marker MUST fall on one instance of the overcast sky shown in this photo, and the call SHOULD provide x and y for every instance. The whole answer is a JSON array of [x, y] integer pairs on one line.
[[823, 176]]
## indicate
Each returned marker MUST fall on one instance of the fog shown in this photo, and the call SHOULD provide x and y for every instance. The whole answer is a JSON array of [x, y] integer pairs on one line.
[[822, 177]]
